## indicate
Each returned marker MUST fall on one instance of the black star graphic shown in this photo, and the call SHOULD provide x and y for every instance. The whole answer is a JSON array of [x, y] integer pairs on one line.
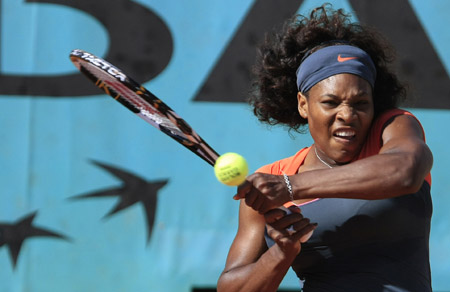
[[133, 190], [13, 235]]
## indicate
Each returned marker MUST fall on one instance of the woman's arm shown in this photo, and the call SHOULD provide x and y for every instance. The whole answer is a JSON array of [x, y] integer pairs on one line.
[[400, 168], [250, 266]]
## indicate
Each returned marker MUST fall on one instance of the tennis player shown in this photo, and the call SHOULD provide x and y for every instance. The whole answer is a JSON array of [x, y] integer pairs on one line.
[[363, 187]]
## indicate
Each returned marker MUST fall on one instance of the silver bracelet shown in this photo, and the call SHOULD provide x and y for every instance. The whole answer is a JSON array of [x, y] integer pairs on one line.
[[289, 186]]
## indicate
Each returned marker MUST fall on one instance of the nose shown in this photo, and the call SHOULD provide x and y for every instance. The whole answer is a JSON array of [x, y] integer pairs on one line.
[[346, 114]]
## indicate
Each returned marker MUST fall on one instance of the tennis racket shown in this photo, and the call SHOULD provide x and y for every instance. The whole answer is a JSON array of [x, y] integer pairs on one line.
[[142, 102]]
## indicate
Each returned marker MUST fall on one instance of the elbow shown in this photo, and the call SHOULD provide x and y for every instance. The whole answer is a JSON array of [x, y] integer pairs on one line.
[[410, 184]]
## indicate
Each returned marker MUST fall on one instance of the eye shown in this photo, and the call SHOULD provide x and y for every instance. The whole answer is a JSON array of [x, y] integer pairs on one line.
[[362, 103], [330, 103]]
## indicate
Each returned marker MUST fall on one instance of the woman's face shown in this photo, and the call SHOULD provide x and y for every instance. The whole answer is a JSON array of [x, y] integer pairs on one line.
[[339, 111]]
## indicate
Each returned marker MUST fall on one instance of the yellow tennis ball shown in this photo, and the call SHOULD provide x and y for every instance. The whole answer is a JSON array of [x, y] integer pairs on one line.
[[231, 169]]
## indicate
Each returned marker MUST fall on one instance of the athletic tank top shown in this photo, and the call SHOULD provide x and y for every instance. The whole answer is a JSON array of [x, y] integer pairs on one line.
[[364, 245]]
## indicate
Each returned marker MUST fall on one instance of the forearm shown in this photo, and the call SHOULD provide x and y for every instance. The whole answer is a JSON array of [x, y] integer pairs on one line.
[[376, 177], [265, 274]]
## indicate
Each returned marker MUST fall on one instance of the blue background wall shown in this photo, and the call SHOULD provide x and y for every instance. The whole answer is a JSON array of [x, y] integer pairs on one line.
[[53, 143]]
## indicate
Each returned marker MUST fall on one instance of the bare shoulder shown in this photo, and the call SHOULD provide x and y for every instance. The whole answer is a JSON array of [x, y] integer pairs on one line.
[[404, 134], [403, 127]]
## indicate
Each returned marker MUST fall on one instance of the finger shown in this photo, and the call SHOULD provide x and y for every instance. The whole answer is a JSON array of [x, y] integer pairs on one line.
[[257, 204], [299, 225], [288, 220], [292, 222], [294, 209], [242, 190], [250, 198], [277, 234], [305, 234], [273, 215], [269, 205], [264, 208]]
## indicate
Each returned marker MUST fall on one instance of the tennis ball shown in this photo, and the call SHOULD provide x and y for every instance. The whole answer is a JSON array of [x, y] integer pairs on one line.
[[231, 169]]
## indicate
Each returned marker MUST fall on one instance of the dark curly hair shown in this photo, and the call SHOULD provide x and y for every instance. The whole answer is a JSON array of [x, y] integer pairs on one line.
[[274, 88]]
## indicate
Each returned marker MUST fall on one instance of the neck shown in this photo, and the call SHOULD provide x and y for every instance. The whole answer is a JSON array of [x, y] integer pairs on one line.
[[329, 165]]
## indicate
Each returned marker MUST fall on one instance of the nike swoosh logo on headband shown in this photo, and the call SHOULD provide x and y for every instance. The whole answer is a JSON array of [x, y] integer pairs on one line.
[[343, 59]]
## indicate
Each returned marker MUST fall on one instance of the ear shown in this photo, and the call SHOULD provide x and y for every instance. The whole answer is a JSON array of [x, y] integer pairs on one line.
[[302, 105]]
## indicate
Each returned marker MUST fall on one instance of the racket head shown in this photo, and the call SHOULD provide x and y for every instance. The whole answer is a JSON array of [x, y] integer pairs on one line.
[[142, 102]]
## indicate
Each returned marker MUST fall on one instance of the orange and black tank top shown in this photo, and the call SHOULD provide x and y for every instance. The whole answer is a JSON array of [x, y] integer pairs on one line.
[[364, 245]]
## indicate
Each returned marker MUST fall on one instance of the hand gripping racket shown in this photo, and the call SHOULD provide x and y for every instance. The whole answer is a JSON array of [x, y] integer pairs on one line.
[[142, 102]]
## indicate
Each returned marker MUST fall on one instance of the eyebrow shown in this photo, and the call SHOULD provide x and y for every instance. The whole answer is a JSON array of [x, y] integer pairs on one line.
[[361, 93]]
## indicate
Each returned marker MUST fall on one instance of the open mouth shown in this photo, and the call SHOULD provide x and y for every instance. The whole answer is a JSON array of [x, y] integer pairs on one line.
[[345, 134]]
